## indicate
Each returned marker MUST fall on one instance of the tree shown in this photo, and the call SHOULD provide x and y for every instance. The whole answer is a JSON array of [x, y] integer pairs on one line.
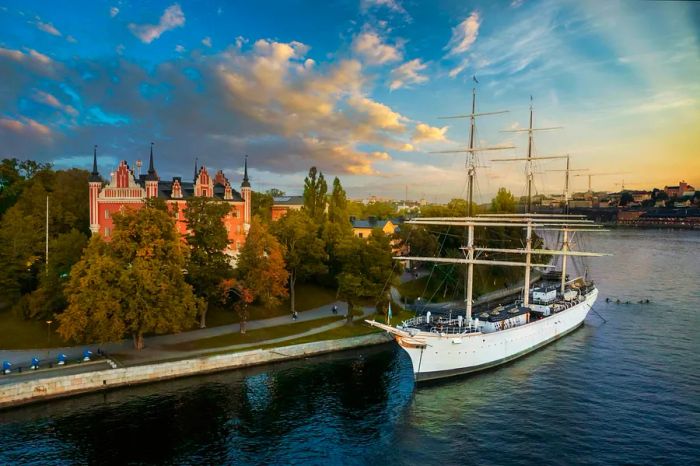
[[132, 285], [14, 175], [367, 269], [504, 202], [625, 198], [233, 292], [207, 264], [261, 206], [315, 189], [261, 267], [23, 226], [304, 252], [274, 192], [338, 226]]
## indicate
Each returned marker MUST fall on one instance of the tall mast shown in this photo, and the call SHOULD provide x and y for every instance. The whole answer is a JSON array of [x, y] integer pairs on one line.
[[529, 163], [471, 173], [528, 264]]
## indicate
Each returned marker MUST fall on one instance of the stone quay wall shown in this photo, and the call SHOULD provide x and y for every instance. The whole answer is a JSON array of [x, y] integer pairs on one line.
[[60, 386]]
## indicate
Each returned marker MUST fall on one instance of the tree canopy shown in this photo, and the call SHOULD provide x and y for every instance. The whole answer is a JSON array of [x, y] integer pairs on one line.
[[132, 285], [304, 251], [207, 264], [315, 189], [504, 202], [261, 268]]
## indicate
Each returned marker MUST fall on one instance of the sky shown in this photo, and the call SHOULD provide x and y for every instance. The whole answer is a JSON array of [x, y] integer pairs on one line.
[[357, 88]]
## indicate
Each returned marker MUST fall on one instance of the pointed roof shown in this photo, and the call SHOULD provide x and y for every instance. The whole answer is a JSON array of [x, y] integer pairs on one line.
[[152, 175], [94, 174], [246, 181], [195, 169]]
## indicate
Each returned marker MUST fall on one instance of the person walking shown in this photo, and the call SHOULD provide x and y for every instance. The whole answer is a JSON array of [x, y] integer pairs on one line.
[[295, 315], [335, 309]]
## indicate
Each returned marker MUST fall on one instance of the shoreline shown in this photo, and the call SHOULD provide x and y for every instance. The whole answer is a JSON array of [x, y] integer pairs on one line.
[[23, 393]]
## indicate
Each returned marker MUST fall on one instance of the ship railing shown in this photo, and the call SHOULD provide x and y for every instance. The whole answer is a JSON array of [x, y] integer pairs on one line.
[[454, 330]]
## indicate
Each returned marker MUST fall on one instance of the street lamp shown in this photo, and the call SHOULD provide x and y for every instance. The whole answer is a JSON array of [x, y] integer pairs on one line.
[[48, 333]]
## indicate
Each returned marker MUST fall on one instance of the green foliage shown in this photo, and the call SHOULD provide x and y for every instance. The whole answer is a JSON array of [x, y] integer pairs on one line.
[[367, 268], [23, 226], [207, 264], [274, 192], [132, 285], [625, 198], [261, 268], [504, 202], [261, 206], [304, 252], [417, 240], [315, 189], [337, 228], [14, 175], [380, 209]]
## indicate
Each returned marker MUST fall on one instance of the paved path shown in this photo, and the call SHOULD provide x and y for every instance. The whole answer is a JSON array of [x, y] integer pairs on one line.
[[22, 357]]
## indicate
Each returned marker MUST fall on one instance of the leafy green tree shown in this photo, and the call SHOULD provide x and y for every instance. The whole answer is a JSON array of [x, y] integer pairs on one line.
[[625, 198], [261, 206], [49, 299], [23, 226], [261, 267], [304, 252], [236, 295], [504, 202], [132, 285], [338, 226], [207, 264], [14, 175], [367, 269], [274, 192], [315, 189]]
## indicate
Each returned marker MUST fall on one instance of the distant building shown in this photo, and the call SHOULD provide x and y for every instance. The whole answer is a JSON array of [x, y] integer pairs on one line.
[[283, 204], [124, 190], [683, 189], [363, 228]]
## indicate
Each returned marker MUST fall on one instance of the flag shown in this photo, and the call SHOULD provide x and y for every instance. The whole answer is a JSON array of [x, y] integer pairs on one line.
[[388, 315], [474, 78]]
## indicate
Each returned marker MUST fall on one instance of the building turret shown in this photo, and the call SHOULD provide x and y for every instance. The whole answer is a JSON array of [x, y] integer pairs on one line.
[[247, 196], [151, 178], [95, 183]]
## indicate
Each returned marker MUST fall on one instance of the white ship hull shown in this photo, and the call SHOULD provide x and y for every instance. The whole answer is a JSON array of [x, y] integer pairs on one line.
[[435, 356]]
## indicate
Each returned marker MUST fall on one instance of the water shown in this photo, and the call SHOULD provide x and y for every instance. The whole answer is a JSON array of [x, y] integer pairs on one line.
[[622, 392]]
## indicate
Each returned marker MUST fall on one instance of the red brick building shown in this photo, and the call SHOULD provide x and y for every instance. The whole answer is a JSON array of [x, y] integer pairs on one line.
[[125, 190]]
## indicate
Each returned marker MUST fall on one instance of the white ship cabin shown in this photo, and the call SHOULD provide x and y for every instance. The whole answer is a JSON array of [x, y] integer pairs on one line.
[[545, 300]]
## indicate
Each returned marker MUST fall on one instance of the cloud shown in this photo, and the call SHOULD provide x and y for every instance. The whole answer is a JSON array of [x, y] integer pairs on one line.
[[206, 41], [408, 73], [114, 11], [47, 27], [423, 133], [369, 46], [464, 35], [172, 18], [179, 48], [24, 127], [392, 5], [50, 100]]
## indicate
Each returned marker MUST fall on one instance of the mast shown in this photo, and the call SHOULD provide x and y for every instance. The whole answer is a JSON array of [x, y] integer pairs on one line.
[[564, 248], [528, 264], [529, 163], [471, 173]]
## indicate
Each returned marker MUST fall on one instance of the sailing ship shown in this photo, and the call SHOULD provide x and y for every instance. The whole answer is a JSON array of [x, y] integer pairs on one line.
[[447, 345]]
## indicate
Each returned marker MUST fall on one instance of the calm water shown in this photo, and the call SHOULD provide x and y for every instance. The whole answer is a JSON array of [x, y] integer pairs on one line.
[[622, 392]]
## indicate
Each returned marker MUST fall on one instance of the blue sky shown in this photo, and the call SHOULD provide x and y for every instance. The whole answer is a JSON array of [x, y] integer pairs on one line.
[[355, 88]]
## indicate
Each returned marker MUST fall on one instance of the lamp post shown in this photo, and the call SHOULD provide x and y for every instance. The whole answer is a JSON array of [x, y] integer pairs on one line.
[[48, 336]]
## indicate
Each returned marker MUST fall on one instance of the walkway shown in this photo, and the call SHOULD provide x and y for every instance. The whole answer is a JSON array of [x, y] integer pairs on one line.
[[23, 357]]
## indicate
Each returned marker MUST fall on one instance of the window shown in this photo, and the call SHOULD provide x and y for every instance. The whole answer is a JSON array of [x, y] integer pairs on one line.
[[106, 232], [106, 214], [360, 235], [176, 215]]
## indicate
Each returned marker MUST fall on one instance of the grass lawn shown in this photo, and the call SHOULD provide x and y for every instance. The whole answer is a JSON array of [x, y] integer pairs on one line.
[[17, 333], [308, 296], [253, 336], [485, 280]]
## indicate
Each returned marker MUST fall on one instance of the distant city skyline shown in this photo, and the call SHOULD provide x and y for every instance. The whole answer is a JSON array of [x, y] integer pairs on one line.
[[356, 88]]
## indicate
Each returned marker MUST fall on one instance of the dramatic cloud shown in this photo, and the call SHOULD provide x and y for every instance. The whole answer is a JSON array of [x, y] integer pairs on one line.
[[268, 99], [369, 46], [172, 18], [408, 73], [423, 133]]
